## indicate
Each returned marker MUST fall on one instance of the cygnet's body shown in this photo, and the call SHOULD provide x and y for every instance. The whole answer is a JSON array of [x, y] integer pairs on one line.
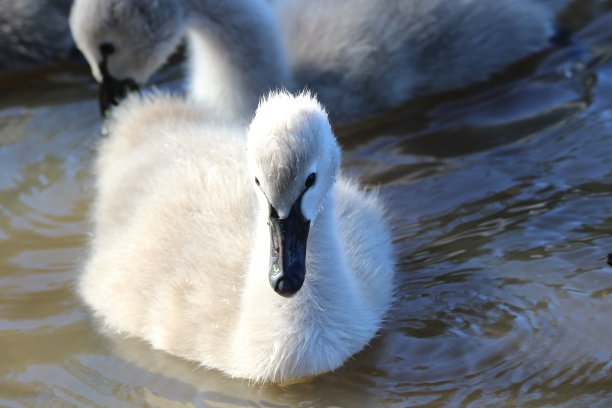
[[182, 254], [33, 32], [359, 56]]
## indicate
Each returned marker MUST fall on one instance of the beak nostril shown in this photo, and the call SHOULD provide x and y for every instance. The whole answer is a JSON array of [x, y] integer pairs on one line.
[[107, 49]]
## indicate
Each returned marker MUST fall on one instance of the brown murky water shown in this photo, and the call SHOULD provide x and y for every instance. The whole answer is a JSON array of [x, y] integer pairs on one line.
[[502, 203]]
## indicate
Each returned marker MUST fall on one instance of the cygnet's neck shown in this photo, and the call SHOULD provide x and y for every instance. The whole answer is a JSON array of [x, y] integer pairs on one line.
[[319, 327], [326, 260], [236, 54]]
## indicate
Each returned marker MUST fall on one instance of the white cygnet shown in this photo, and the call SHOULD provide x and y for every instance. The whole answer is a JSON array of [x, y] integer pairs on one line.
[[252, 255]]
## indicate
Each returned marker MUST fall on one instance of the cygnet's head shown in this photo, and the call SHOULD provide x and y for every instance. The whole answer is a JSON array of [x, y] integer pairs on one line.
[[293, 160], [125, 41]]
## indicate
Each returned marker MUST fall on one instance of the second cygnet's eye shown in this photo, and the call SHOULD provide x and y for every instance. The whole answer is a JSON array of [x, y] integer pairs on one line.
[[310, 180], [107, 49]]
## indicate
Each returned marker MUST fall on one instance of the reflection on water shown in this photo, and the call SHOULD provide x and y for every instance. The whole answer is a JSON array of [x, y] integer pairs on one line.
[[502, 202]]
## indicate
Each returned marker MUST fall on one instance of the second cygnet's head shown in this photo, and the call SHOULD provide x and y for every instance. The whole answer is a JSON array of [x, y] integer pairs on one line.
[[125, 41], [293, 161]]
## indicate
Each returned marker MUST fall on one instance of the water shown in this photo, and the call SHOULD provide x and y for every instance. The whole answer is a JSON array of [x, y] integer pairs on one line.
[[501, 198]]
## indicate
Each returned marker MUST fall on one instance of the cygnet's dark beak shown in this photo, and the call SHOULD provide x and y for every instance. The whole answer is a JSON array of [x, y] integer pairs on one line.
[[113, 91], [288, 238]]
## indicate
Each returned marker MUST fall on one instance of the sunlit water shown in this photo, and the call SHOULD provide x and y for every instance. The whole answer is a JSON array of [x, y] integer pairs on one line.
[[501, 198]]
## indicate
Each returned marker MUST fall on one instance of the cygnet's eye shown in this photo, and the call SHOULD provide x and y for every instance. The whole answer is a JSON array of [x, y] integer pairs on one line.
[[256, 181], [107, 49], [310, 180]]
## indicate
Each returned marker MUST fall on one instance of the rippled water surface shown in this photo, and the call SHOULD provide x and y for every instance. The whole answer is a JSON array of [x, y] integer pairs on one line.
[[501, 198]]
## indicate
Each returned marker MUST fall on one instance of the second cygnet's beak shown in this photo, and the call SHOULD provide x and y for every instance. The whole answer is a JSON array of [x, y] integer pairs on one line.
[[113, 91]]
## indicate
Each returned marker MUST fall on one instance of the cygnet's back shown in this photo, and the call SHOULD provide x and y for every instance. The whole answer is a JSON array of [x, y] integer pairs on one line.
[[361, 56], [164, 196]]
